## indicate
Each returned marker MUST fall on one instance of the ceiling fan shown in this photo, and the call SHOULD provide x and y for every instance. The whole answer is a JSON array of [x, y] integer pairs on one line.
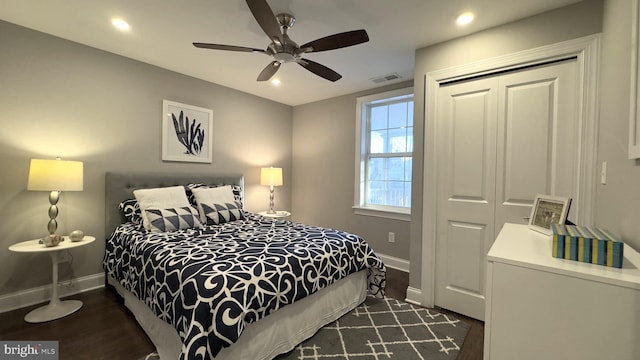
[[285, 50]]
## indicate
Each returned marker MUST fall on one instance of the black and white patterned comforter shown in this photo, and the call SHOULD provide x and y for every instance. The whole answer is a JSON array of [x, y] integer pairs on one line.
[[209, 283]]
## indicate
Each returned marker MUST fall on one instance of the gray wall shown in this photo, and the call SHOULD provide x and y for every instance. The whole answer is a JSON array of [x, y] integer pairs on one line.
[[617, 202], [59, 98], [567, 23], [323, 173]]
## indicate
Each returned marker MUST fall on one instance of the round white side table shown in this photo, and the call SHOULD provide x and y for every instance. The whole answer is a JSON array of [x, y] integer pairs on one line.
[[277, 214], [56, 308]]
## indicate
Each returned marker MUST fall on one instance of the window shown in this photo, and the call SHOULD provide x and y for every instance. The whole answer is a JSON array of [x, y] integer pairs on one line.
[[384, 149]]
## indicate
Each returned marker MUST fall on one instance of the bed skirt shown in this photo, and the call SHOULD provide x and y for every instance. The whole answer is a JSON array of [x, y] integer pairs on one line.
[[276, 334]]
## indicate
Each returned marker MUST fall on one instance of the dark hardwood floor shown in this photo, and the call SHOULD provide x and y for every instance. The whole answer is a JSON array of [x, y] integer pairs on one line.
[[397, 283], [105, 329], [102, 329]]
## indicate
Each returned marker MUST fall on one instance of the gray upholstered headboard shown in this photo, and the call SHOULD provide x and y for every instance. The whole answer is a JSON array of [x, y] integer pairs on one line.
[[120, 186]]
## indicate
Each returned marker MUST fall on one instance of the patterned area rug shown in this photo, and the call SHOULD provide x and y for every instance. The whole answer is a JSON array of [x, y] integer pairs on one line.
[[383, 329]]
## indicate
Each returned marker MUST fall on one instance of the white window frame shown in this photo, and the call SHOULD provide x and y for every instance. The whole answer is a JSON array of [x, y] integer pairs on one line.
[[359, 206]]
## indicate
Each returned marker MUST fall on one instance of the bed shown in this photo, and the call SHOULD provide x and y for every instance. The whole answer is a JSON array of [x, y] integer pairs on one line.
[[240, 285]]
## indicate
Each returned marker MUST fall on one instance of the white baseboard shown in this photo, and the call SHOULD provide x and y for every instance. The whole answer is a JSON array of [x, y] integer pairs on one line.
[[414, 296], [394, 262], [42, 294]]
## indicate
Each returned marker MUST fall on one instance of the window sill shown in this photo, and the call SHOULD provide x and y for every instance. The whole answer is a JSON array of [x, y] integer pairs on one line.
[[383, 213]]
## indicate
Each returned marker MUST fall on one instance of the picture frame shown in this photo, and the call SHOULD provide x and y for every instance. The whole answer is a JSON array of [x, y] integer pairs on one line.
[[547, 210], [187, 133]]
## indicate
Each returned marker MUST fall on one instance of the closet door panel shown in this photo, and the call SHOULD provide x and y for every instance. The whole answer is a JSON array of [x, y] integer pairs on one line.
[[466, 194], [536, 142]]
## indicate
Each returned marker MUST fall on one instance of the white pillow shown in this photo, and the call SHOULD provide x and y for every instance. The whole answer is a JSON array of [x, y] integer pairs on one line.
[[210, 196], [160, 198]]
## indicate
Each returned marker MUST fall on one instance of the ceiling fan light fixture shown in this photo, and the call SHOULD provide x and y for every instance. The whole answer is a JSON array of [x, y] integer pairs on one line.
[[275, 82]]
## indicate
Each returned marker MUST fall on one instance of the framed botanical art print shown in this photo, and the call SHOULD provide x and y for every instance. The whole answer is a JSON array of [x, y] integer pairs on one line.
[[547, 210], [187, 133]]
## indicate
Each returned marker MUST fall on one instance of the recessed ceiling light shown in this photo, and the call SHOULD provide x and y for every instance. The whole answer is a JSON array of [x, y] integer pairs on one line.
[[465, 18], [120, 24], [275, 82]]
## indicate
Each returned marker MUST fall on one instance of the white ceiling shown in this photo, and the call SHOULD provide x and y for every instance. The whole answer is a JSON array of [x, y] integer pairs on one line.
[[162, 32]]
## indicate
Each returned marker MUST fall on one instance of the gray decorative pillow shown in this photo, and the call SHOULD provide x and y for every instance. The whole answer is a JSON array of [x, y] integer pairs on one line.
[[166, 220], [223, 212]]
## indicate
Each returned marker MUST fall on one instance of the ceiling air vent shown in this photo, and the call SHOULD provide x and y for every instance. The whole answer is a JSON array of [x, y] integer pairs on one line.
[[388, 77]]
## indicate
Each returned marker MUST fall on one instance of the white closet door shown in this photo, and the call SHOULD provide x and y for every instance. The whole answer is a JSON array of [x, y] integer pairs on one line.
[[466, 193], [537, 139], [501, 140]]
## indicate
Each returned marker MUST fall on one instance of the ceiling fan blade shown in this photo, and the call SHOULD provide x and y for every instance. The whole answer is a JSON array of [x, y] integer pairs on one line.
[[269, 71], [319, 69], [336, 41], [226, 47], [265, 18]]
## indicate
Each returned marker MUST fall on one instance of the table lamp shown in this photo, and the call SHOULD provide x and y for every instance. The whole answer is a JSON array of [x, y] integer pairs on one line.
[[55, 176], [272, 177]]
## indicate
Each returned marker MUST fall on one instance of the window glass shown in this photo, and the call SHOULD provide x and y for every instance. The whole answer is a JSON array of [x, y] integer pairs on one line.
[[385, 159], [378, 117], [398, 115]]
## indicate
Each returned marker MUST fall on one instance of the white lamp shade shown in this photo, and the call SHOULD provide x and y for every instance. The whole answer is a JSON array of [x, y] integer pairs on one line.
[[271, 176], [55, 175]]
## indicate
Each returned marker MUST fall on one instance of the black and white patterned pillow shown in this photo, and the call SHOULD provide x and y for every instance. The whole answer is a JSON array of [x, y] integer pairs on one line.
[[167, 220], [130, 211], [236, 189], [222, 213]]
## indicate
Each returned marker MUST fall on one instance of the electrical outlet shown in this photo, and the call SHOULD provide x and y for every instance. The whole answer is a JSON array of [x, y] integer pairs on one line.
[[392, 237]]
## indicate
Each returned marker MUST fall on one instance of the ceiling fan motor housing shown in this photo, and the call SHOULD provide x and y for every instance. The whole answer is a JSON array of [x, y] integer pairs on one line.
[[284, 49]]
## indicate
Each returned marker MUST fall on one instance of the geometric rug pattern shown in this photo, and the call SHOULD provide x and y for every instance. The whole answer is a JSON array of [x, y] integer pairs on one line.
[[385, 329]]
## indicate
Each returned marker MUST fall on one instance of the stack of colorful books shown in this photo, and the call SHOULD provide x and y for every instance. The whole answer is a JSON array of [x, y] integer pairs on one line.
[[587, 244]]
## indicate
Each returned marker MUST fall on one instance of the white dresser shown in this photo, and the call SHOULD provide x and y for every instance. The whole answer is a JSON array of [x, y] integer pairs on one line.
[[539, 307]]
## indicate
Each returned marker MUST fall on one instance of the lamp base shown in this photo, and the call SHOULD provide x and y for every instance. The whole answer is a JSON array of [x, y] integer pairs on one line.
[[271, 197], [52, 226]]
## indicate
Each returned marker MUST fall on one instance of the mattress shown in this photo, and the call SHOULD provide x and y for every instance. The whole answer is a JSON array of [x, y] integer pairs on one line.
[[276, 334]]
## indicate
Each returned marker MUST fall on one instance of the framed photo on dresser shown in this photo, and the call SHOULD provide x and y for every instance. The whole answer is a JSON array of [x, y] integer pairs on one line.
[[547, 210]]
